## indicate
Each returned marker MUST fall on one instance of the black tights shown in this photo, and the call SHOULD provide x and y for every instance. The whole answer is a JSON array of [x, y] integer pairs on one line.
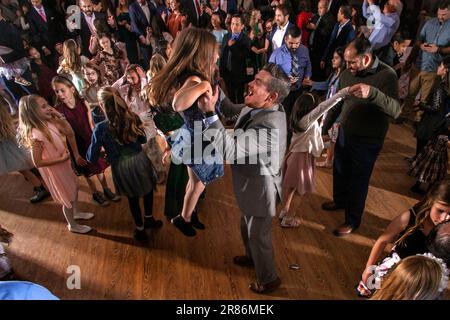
[[135, 208]]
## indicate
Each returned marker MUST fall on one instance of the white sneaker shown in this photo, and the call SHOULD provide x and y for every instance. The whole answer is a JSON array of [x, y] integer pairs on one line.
[[79, 228], [83, 216]]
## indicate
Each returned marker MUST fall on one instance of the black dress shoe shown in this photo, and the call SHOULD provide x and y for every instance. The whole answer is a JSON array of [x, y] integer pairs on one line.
[[331, 206], [265, 288], [195, 222], [185, 227], [243, 261], [343, 230]]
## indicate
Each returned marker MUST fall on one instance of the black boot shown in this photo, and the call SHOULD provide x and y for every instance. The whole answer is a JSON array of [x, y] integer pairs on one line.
[[40, 193], [195, 222], [185, 227]]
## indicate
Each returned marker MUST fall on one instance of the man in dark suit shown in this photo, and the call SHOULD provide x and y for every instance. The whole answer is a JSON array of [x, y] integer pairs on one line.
[[334, 5], [192, 10], [87, 29], [233, 68], [321, 25], [229, 6], [343, 33], [46, 29], [141, 14]]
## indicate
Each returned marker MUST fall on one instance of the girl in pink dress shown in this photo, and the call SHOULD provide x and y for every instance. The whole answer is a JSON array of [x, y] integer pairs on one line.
[[77, 114], [44, 131]]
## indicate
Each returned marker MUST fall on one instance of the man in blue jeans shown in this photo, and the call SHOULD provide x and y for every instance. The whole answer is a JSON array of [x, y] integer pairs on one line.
[[364, 124]]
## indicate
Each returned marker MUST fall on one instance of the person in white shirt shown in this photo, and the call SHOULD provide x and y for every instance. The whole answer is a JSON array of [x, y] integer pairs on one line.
[[282, 21]]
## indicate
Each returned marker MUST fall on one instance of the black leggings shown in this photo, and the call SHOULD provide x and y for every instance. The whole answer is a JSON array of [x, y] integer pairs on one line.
[[135, 208]]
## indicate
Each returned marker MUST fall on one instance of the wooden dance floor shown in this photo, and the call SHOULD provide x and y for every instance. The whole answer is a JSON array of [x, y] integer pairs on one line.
[[171, 266]]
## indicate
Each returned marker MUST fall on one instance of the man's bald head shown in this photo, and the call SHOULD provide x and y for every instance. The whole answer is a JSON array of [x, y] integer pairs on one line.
[[322, 7]]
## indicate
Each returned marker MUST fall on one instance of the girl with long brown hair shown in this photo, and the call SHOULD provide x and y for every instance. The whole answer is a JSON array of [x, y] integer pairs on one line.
[[130, 87], [189, 74], [408, 232], [121, 135], [93, 78], [77, 113], [72, 63]]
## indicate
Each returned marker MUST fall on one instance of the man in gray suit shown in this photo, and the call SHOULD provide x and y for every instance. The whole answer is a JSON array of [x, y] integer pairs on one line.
[[255, 151]]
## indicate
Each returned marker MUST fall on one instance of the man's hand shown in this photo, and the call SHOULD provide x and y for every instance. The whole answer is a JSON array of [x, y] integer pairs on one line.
[[431, 48], [231, 42], [207, 102], [307, 82], [311, 26], [360, 90], [293, 79]]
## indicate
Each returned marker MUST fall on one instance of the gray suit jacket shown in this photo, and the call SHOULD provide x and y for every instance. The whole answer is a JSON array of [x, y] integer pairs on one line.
[[255, 151]]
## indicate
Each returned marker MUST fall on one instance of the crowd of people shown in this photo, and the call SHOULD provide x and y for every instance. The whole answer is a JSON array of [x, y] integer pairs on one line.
[[86, 85]]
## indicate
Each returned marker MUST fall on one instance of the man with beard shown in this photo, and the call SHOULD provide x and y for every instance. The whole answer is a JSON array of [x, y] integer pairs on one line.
[[293, 58], [364, 119], [87, 29]]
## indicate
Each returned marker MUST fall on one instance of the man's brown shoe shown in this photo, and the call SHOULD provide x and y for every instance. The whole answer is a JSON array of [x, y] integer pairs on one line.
[[265, 288], [243, 261], [331, 206], [343, 230]]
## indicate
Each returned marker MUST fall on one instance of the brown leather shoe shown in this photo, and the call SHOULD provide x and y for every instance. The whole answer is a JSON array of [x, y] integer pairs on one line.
[[243, 261], [331, 206], [343, 230], [265, 288]]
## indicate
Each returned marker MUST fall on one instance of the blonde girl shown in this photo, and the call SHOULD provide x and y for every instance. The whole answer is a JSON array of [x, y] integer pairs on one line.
[[44, 131], [13, 158], [421, 277]]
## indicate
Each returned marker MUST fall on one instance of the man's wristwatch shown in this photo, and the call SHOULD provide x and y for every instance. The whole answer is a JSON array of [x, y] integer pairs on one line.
[[209, 114]]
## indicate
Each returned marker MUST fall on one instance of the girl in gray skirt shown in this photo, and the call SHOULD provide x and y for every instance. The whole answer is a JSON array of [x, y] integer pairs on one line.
[[121, 135]]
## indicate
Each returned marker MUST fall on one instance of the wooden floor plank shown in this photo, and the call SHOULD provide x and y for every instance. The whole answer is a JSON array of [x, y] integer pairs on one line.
[[171, 266]]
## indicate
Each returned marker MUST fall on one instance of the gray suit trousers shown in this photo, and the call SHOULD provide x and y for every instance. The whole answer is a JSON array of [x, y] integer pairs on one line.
[[256, 233]]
